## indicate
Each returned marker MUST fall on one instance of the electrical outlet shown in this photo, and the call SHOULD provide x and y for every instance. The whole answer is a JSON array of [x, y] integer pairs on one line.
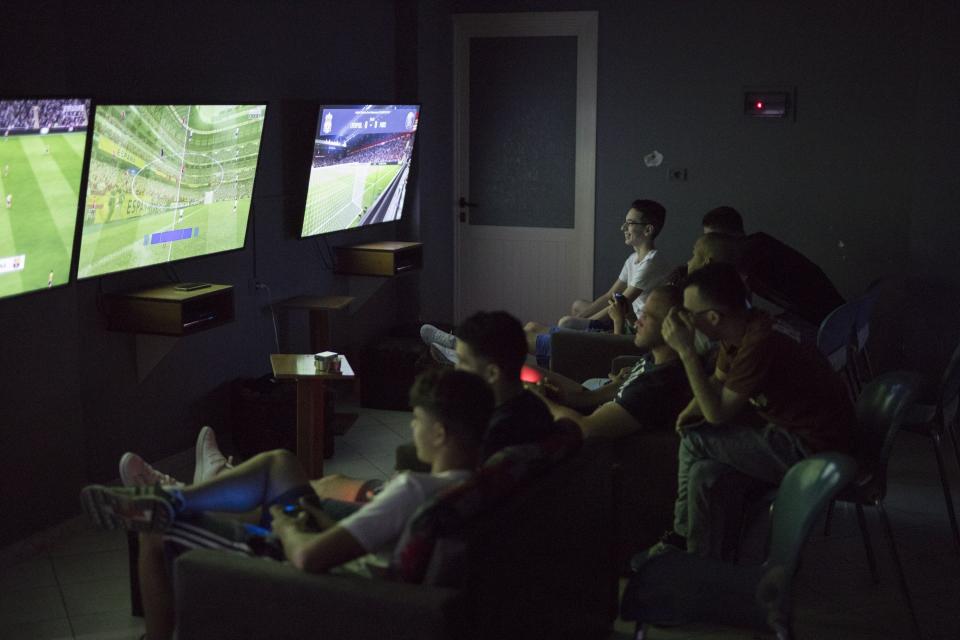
[[678, 175]]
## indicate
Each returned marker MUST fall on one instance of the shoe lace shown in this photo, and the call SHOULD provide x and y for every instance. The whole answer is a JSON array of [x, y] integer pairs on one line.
[[149, 476]]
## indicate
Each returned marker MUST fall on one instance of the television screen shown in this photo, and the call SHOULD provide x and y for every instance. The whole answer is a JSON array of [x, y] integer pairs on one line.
[[361, 161], [167, 182], [41, 161]]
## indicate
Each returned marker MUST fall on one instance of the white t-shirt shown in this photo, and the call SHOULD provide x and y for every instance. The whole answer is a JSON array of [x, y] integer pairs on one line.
[[644, 274], [377, 525]]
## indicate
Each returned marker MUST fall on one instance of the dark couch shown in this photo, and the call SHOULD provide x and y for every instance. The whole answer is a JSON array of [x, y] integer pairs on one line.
[[647, 461], [584, 354], [539, 566]]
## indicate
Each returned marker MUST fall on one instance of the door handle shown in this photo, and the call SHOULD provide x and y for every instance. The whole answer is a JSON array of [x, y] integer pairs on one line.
[[463, 203]]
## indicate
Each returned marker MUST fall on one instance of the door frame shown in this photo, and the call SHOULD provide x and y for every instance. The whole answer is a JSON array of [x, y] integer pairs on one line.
[[583, 25]]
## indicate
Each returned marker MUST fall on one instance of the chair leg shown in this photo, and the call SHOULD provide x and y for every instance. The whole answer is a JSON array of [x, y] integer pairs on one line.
[[946, 491], [953, 438], [829, 518], [896, 561], [867, 365], [865, 535]]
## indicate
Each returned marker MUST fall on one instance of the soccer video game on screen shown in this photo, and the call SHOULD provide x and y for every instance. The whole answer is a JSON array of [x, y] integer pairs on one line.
[[167, 182], [41, 161], [361, 161]]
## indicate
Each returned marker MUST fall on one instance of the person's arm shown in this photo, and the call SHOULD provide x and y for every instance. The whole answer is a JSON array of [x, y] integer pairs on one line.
[[310, 551], [556, 389], [616, 311], [556, 409], [631, 293], [610, 420], [599, 306], [717, 404]]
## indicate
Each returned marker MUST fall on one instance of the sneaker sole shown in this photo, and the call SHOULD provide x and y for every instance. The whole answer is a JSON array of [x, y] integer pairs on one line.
[[198, 470], [110, 510], [440, 337], [126, 480], [439, 356]]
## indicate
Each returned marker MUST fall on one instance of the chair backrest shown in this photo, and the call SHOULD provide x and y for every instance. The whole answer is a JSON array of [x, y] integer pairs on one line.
[[804, 493], [836, 334], [784, 276], [502, 475], [949, 396], [881, 410], [864, 306]]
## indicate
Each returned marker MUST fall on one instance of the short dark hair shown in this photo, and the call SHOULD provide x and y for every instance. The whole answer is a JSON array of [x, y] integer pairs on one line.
[[673, 293], [723, 247], [725, 220], [651, 212], [462, 401], [720, 285], [498, 337]]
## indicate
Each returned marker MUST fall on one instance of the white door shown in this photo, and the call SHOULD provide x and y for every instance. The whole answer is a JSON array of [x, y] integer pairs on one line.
[[525, 87]]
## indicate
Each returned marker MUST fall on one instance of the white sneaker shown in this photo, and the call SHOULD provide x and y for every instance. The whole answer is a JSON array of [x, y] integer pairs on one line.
[[432, 335], [209, 460], [444, 355], [137, 472]]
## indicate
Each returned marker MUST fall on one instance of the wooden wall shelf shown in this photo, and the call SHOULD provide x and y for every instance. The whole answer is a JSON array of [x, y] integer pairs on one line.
[[385, 259], [167, 311]]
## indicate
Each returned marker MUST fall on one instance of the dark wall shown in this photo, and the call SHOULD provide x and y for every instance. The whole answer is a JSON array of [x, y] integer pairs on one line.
[[863, 181], [72, 400]]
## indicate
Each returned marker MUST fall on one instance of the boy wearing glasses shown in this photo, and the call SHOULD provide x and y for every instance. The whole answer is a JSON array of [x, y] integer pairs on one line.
[[616, 309], [643, 270]]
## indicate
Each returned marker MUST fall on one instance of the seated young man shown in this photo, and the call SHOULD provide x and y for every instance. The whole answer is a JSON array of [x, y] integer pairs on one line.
[[491, 344], [713, 248], [801, 402], [723, 219], [645, 268], [709, 248], [651, 395], [451, 410]]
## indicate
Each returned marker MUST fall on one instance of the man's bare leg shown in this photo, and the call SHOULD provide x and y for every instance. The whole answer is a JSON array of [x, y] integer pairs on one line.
[[536, 327], [531, 336], [241, 489], [156, 588], [579, 306], [248, 485]]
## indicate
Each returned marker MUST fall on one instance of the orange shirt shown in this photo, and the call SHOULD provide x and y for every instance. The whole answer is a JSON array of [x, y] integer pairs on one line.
[[789, 384]]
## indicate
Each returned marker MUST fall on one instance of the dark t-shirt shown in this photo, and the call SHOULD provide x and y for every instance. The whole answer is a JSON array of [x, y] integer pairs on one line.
[[654, 394], [520, 420], [791, 385]]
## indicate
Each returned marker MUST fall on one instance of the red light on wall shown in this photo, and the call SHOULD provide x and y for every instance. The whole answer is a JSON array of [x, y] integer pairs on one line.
[[766, 104]]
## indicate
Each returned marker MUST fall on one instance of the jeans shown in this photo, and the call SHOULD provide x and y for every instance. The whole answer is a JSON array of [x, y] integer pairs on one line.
[[764, 453]]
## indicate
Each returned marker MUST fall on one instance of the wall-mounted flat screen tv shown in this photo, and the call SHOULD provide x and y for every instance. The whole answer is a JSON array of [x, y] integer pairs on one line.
[[167, 182], [41, 163], [361, 164]]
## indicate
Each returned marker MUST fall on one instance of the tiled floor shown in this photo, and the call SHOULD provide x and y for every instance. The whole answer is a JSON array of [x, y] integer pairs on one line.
[[73, 584]]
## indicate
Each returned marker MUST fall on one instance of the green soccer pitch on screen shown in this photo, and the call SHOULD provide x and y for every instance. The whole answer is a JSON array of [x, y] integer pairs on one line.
[[41, 162], [360, 166], [167, 182]]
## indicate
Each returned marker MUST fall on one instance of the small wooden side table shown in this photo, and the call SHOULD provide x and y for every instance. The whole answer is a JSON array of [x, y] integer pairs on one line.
[[311, 421], [319, 308]]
